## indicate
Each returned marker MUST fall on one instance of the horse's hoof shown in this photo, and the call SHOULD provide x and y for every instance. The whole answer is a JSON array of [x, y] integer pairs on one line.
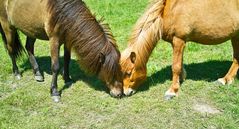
[[221, 81], [218, 83], [68, 83], [68, 80], [56, 99], [169, 95], [18, 76], [39, 78], [230, 82]]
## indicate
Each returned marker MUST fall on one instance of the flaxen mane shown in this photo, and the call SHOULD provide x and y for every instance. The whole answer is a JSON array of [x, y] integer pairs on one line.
[[146, 33], [89, 38]]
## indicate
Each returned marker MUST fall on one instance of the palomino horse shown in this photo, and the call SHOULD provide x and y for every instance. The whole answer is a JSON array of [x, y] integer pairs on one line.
[[62, 22], [207, 22]]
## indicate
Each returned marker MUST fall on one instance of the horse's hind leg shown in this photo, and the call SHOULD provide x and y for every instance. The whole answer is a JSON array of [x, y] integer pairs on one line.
[[30, 50], [10, 37], [229, 77]]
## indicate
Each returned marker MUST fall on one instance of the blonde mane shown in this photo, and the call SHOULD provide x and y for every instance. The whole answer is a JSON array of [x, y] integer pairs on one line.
[[146, 33]]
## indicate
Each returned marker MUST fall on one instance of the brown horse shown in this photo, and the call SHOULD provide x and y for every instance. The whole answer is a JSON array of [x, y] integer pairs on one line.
[[67, 22], [207, 22]]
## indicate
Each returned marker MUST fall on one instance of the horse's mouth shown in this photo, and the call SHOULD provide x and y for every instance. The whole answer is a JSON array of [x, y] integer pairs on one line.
[[129, 92], [116, 94]]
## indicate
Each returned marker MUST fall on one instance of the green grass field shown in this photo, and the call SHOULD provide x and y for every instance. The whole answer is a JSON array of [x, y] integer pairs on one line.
[[201, 103]]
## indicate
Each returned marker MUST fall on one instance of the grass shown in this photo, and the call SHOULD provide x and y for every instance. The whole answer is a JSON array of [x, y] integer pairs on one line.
[[26, 104]]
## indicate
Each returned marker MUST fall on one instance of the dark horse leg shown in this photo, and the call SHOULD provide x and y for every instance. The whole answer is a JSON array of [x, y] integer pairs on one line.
[[10, 37], [67, 58], [177, 67], [229, 77], [54, 50], [30, 50]]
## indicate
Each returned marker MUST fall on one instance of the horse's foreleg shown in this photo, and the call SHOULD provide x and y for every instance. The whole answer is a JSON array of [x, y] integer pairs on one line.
[[9, 35], [54, 48], [178, 47], [229, 77], [67, 58], [30, 50]]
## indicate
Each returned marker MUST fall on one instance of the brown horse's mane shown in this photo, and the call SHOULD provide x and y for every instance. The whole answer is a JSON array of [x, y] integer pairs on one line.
[[89, 38], [146, 33]]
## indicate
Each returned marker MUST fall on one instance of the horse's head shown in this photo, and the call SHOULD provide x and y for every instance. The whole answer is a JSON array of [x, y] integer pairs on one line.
[[111, 73], [133, 74]]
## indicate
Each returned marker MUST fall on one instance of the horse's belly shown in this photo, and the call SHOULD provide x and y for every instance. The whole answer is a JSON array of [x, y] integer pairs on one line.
[[210, 40], [212, 35], [215, 33], [37, 33], [205, 34]]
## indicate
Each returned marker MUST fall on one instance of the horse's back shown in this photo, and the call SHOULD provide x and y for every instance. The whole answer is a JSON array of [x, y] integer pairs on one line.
[[204, 21], [29, 16]]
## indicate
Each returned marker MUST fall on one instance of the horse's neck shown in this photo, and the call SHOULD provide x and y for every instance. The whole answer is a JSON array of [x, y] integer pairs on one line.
[[147, 32], [143, 52]]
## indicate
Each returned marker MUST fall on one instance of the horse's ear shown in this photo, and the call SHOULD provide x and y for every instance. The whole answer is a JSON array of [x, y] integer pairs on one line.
[[133, 57], [102, 58]]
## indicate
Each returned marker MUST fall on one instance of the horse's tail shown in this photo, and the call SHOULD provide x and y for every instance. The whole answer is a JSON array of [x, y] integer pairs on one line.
[[3, 36], [148, 30], [16, 47]]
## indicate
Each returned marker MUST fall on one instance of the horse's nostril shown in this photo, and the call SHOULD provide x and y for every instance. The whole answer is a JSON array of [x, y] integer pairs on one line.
[[116, 95], [119, 95], [131, 92]]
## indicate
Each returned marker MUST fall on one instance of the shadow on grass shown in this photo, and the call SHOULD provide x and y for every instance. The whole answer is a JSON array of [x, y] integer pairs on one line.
[[208, 71], [76, 73]]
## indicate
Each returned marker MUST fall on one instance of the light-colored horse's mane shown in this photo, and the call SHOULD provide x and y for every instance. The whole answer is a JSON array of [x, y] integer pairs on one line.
[[146, 33]]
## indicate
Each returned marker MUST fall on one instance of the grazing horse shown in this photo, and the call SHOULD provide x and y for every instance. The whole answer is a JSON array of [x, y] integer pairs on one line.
[[207, 22], [67, 22]]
